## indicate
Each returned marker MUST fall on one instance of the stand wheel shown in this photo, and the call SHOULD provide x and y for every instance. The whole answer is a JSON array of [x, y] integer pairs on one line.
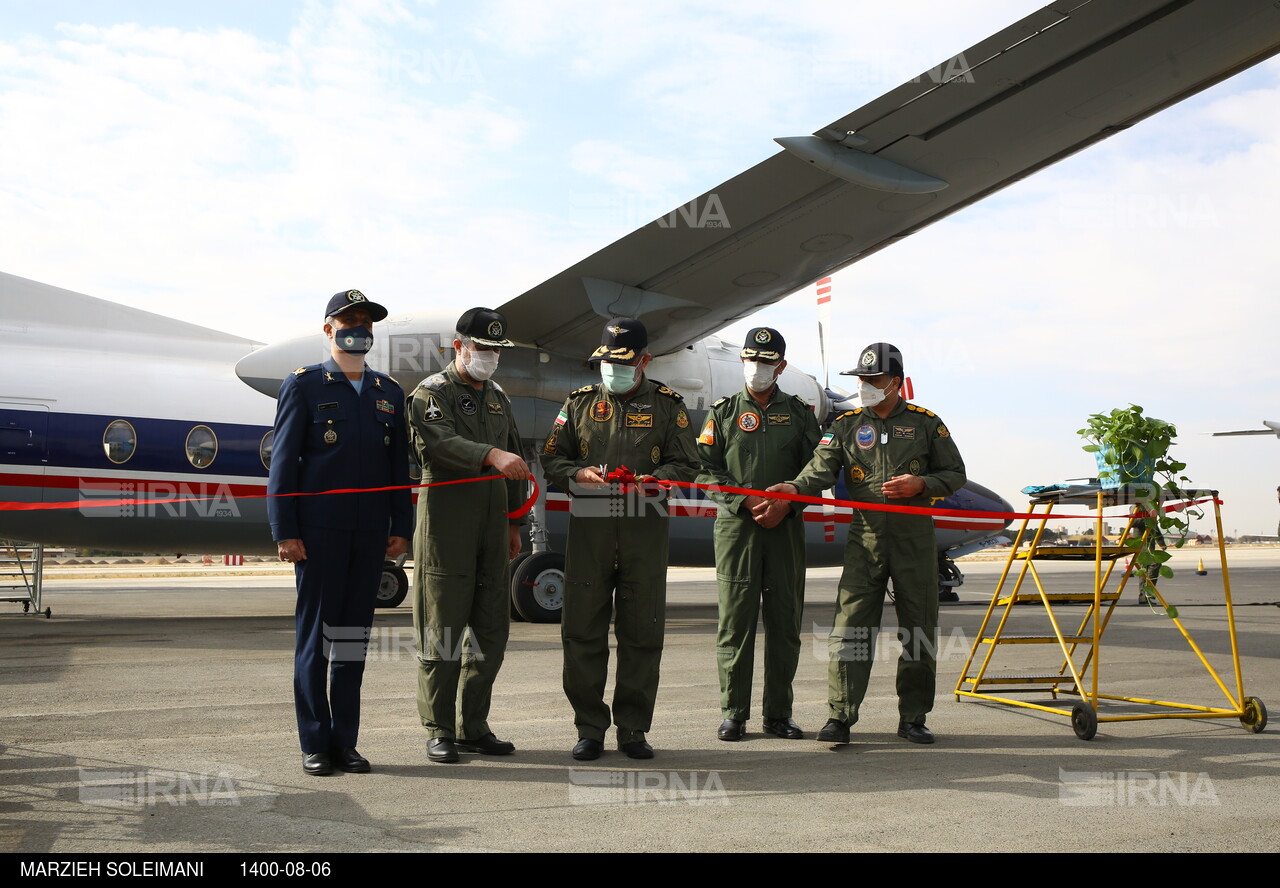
[[1084, 721], [1255, 715]]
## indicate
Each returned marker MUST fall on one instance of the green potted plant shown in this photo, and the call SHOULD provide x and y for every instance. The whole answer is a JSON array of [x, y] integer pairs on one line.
[[1132, 449]]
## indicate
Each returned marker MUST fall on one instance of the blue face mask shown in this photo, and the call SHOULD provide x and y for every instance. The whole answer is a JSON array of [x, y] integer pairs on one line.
[[354, 340], [618, 378]]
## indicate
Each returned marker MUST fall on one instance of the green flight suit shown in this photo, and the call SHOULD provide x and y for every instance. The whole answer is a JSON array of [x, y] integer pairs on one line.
[[745, 445], [617, 542], [460, 550], [884, 546]]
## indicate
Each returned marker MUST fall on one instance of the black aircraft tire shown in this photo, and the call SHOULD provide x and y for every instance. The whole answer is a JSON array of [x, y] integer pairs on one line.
[[393, 587], [537, 587]]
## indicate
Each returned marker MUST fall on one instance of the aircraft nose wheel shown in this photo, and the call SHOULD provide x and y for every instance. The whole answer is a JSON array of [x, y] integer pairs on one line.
[[537, 587], [393, 587]]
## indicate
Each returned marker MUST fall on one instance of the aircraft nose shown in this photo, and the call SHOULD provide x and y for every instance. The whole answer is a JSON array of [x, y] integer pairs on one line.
[[265, 368]]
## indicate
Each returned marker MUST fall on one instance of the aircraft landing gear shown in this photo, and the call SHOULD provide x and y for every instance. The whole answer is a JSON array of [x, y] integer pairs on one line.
[[537, 586], [949, 577], [393, 587]]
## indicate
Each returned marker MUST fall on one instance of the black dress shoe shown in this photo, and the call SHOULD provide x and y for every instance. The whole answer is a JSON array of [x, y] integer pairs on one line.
[[834, 731], [637, 749], [588, 750], [442, 749], [317, 764], [347, 759], [488, 744], [731, 729], [785, 728], [916, 732]]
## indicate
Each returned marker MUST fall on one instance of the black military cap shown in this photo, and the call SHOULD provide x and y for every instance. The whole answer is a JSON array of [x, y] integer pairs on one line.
[[624, 339], [878, 358], [763, 344], [353, 299], [484, 326]]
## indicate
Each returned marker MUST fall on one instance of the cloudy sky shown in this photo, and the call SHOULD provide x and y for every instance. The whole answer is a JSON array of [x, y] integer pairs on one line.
[[226, 162]]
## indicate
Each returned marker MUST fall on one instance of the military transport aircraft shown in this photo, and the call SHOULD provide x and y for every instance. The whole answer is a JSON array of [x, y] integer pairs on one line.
[[95, 395]]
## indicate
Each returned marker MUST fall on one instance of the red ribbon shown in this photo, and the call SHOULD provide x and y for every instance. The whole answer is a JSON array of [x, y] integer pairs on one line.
[[626, 478], [101, 504]]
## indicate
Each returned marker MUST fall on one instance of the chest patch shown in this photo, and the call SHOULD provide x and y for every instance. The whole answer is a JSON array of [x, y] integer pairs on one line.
[[494, 408], [856, 474], [386, 407], [865, 437], [467, 404], [639, 420], [602, 411], [332, 405], [779, 419], [907, 432], [748, 422]]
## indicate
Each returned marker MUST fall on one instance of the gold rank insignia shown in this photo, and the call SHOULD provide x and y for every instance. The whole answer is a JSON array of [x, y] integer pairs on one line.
[[670, 393], [377, 382], [328, 377], [299, 371]]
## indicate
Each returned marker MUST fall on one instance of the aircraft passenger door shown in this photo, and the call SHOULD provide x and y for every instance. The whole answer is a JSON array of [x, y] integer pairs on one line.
[[23, 449]]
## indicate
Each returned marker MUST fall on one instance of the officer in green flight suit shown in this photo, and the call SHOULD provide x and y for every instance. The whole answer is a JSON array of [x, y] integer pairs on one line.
[[616, 558], [756, 438], [461, 426], [897, 453]]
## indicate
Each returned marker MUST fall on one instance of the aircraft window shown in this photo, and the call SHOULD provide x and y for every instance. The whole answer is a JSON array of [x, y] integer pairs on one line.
[[202, 447], [119, 441], [264, 449]]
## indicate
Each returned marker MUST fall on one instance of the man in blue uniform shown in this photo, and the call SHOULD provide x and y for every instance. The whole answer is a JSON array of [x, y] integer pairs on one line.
[[338, 425]]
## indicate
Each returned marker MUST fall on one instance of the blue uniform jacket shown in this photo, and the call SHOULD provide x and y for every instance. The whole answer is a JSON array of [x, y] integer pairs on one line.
[[329, 437]]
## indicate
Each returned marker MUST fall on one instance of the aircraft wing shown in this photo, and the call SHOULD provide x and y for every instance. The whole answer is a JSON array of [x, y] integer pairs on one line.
[[1064, 77], [1272, 428]]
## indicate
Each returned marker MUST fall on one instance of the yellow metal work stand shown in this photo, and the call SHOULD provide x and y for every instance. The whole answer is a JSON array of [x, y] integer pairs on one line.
[[1081, 650]]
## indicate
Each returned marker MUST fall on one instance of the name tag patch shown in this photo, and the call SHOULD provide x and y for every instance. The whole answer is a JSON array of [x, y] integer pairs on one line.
[[639, 420], [779, 419], [494, 408], [332, 405], [908, 432]]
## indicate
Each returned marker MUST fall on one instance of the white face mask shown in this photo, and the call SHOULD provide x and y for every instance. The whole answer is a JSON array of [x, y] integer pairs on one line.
[[480, 365], [618, 378], [759, 376], [869, 395]]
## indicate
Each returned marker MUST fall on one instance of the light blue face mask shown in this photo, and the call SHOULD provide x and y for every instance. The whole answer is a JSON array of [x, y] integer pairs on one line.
[[618, 378]]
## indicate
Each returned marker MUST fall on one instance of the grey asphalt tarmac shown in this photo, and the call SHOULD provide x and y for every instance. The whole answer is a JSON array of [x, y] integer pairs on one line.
[[155, 715]]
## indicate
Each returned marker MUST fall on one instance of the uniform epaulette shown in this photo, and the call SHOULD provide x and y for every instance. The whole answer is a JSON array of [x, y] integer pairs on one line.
[[669, 392], [302, 370], [715, 404], [498, 387], [435, 383], [846, 413], [582, 391]]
